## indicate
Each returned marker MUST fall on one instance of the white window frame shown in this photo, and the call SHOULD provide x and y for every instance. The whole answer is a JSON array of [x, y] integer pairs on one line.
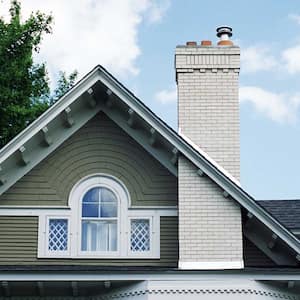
[[125, 214], [141, 253], [44, 227], [99, 182]]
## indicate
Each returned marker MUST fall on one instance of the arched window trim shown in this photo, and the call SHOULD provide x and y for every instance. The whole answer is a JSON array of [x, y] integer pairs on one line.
[[76, 196], [126, 215]]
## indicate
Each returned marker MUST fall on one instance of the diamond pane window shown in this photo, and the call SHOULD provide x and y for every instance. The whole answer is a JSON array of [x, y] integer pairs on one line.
[[140, 235], [58, 235]]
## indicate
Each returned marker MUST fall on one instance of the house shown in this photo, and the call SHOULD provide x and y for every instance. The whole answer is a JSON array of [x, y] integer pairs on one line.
[[100, 199]]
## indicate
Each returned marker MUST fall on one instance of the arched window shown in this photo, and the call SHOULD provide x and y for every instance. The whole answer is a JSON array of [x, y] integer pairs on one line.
[[99, 220]]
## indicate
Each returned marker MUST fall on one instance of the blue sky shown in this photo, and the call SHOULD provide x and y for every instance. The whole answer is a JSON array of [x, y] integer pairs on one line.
[[136, 39], [270, 149]]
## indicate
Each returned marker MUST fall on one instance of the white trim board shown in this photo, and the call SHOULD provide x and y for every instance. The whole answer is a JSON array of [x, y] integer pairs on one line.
[[36, 212], [210, 265]]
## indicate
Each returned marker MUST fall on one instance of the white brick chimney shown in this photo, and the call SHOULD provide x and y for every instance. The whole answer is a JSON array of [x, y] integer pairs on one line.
[[210, 232]]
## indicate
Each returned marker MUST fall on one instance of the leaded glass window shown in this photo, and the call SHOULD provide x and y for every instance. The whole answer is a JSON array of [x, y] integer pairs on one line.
[[140, 235], [99, 228], [58, 235]]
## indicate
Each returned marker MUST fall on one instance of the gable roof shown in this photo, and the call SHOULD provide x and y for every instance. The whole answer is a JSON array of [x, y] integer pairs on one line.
[[97, 91]]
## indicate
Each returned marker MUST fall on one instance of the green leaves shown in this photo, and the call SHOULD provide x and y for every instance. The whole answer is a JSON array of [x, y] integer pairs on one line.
[[24, 85]]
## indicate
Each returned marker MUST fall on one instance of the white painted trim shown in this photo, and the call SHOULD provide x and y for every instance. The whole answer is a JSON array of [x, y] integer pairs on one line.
[[210, 265], [56, 254], [34, 212], [153, 207], [35, 207], [154, 222], [73, 214], [66, 211], [93, 179], [231, 275], [43, 237]]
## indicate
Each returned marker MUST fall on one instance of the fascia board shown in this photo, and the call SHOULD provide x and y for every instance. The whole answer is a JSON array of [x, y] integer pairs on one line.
[[61, 275]]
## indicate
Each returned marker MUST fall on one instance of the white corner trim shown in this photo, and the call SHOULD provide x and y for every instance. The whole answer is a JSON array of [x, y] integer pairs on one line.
[[210, 265], [204, 154]]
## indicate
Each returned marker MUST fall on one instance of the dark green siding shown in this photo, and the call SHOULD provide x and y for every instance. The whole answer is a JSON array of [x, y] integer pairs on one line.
[[98, 147], [18, 245]]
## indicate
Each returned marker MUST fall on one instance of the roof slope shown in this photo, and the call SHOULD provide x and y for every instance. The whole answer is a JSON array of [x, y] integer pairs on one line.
[[287, 212], [100, 91]]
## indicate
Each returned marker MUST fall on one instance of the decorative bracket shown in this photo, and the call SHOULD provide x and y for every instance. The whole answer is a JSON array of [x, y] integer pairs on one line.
[[74, 285], [40, 286], [91, 98], [291, 284], [2, 177], [200, 173], [273, 241], [249, 215], [174, 158], [46, 135], [24, 158], [109, 98], [153, 137], [132, 117], [225, 194], [6, 288], [68, 117]]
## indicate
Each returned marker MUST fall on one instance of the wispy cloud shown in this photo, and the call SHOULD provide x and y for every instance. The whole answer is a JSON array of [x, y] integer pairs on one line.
[[257, 58], [295, 17], [157, 10], [87, 33], [280, 108], [166, 96], [291, 59]]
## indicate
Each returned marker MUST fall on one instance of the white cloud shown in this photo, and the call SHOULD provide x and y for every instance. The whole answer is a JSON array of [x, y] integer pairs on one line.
[[166, 96], [257, 58], [90, 32], [281, 108], [157, 9], [291, 58], [295, 17]]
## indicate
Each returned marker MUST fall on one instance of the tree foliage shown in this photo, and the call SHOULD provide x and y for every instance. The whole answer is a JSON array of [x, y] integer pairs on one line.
[[24, 85]]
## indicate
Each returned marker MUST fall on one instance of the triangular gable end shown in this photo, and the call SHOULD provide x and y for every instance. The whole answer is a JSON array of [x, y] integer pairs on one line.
[[97, 91], [98, 147]]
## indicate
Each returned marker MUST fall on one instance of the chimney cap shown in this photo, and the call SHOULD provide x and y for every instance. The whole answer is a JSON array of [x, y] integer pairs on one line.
[[224, 30]]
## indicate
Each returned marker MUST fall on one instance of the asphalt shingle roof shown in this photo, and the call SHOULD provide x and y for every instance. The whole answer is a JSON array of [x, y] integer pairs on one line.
[[287, 212]]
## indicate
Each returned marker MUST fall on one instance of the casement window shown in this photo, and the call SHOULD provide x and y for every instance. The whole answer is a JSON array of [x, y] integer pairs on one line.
[[100, 224], [57, 237], [140, 235]]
